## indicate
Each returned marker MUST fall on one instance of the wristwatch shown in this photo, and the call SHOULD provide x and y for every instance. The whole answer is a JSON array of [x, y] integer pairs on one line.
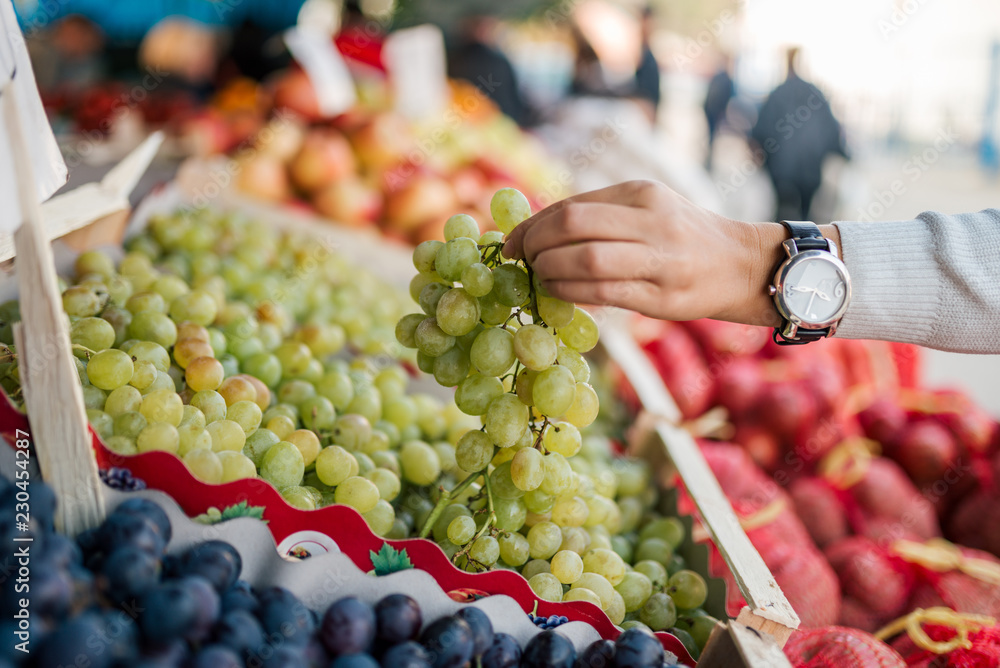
[[811, 288]]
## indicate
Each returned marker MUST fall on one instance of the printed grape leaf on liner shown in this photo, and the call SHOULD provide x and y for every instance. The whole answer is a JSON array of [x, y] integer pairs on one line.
[[389, 560], [241, 509]]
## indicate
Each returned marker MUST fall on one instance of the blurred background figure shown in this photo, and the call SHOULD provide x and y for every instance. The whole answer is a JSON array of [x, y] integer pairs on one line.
[[475, 58], [796, 130], [589, 78], [647, 73], [721, 90]]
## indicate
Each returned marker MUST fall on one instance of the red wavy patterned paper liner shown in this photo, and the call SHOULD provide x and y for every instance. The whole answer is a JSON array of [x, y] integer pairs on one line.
[[167, 473]]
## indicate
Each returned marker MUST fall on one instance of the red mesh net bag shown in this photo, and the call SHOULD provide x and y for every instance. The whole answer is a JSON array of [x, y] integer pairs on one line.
[[839, 647], [876, 585], [942, 638], [952, 576]]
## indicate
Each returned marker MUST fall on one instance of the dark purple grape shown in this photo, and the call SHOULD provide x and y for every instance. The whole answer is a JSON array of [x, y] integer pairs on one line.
[[166, 655], [315, 652], [128, 572], [279, 657], [636, 648], [148, 509], [121, 529], [51, 593], [215, 560], [449, 642], [89, 541], [348, 627], [482, 629], [215, 656], [406, 655], [397, 619], [504, 652], [72, 644], [548, 650], [599, 654], [240, 597], [60, 551], [169, 612], [283, 616], [354, 661], [121, 634], [240, 631], [208, 606]]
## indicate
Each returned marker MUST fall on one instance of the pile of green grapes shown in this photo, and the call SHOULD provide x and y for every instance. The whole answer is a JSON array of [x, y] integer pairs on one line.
[[542, 492]]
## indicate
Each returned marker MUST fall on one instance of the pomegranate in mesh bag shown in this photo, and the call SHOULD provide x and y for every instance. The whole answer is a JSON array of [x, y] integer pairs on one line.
[[839, 647], [952, 576], [871, 576], [942, 638]]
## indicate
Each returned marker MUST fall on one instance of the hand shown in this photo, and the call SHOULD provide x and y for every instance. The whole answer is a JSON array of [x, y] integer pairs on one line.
[[641, 246]]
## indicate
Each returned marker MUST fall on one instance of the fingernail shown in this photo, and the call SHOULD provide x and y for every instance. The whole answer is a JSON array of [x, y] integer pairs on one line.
[[508, 249]]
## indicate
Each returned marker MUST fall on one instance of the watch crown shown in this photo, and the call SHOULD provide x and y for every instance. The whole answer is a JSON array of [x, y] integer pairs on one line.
[[771, 290]]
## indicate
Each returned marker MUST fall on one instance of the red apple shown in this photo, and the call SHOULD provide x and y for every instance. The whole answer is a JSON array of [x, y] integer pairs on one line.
[[349, 200], [325, 157], [383, 141], [422, 200], [265, 177], [294, 91]]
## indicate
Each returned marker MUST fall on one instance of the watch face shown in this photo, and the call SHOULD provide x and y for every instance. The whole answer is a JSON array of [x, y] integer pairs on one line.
[[814, 290]]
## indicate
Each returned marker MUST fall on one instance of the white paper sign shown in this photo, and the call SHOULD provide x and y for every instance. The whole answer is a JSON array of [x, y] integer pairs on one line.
[[322, 62], [47, 164], [415, 59]]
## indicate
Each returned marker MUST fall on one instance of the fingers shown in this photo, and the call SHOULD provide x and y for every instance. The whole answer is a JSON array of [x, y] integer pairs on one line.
[[628, 194], [604, 260], [579, 223], [638, 296]]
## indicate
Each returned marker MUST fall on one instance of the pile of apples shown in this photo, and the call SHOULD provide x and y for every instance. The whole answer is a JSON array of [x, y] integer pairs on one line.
[[372, 166]]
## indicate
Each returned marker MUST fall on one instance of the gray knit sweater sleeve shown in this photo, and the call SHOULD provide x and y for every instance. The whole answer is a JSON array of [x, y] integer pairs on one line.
[[934, 281]]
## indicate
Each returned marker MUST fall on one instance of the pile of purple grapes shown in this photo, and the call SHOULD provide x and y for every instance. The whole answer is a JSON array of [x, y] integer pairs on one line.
[[121, 479], [550, 622], [116, 599]]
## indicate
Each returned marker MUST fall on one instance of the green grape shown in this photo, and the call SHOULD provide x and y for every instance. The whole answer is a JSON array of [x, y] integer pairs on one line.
[[510, 513], [81, 302], [567, 566], [386, 481], [420, 281], [381, 518], [513, 549], [570, 512], [204, 373], [258, 443], [217, 340], [631, 509], [424, 254], [605, 563], [154, 353], [299, 497], [226, 435], [365, 463], [599, 537], [318, 414], [406, 329], [553, 391], [431, 340], [562, 438], [307, 442], [575, 539], [461, 225], [492, 353], [461, 530], [162, 406], [457, 312], [94, 397], [296, 392], [506, 419], [546, 586], [121, 400], [534, 567], [211, 404], [246, 414], [401, 411], [558, 475], [264, 366], [669, 529], [281, 465], [491, 237], [622, 547], [537, 501], [358, 493], [322, 339], [204, 465], [143, 374], [688, 589], [700, 625], [192, 437], [95, 334], [129, 424], [575, 362], [525, 385], [659, 612], [158, 436], [535, 347], [242, 349], [152, 326], [452, 258], [633, 476], [294, 358], [544, 540], [616, 610], [383, 438], [392, 381], [635, 588], [388, 460], [654, 549], [474, 451], [431, 296], [122, 445], [554, 312], [171, 287], [102, 423], [336, 387], [421, 464], [425, 363], [585, 407], [429, 415], [477, 279], [450, 512], [485, 550], [599, 585], [581, 334], [509, 208], [196, 306], [109, 369], [502, 486], [582, 594], [452, 367], [601, 508], [474, 394], [119, 319], [351, 431], [527, 469], [491, 311], [511, 286], [334, 465], [96, 262]]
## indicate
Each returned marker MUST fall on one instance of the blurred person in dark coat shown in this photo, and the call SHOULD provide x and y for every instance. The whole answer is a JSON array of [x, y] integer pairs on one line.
[[796, 130], [647, 73], [721, 90]]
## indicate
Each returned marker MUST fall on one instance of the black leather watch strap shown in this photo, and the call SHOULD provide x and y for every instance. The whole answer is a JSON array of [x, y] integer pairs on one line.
[[807, 235], [804, 336]]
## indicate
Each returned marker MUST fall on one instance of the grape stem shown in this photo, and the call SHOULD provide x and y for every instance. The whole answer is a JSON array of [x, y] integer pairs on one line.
[[77, 346], [446, 497], [487, 525], [541, 433], [533, 297]]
